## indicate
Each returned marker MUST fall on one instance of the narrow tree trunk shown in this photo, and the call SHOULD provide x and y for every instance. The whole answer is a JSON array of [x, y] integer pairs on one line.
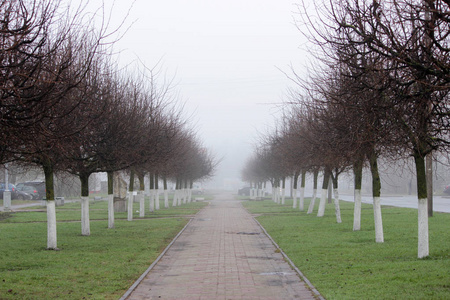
[[110, 199], [175, 201], [157, 204], [51, 207], [357, 170], [152, 193], [141, 194], [283, 190], [337, 208], [314, 195], [301, 203], [85, 225], [166, 193], [429, 165], [323, 198], [131, 196], [191, 186], [294, 190], [423, 243], [376, 192]]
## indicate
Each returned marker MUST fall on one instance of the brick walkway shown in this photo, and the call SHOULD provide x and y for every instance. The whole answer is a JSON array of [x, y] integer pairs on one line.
[[222, 254]]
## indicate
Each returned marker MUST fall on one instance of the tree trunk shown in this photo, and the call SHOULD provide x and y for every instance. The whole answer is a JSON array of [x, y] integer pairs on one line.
[[294, 190], [156, 192], [314, 195], [323, 198], [152, 193], [85, 225], [337, 208], [110, 199], [376, 192], [357, 170], [423, 244], [429, 165], [51, 207], [141, 194], [131, 197], [166, 193], [283, 190], [301, 203]]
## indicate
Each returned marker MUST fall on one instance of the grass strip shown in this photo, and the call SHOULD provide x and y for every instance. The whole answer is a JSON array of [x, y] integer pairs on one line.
[[343, 264], [100, 266]]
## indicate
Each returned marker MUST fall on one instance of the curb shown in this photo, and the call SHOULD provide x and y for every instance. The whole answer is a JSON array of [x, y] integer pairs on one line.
[[302, 276]]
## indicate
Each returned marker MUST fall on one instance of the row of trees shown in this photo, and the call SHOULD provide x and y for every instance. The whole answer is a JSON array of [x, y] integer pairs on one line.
[[380, 88], [66, 106]]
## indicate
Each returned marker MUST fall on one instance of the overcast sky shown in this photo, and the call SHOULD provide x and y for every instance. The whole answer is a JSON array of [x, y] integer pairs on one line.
[[226, 57]]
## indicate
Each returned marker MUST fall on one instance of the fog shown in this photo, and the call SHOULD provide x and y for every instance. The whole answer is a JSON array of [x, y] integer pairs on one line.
[[227, 60]]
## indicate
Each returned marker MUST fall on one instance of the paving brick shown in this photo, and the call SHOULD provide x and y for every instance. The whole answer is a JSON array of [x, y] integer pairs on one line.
[[222, 254]]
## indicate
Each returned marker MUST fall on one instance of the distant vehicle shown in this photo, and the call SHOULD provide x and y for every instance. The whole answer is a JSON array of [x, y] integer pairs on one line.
[[245, 191], [197, 190], [39, 186], [29, 190], [447, 190], [15, 194]]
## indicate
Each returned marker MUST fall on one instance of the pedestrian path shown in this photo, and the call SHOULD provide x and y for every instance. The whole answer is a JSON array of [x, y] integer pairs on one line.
[[222, 254]]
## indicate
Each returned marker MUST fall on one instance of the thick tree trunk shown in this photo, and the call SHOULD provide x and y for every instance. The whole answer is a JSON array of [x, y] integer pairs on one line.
[[314, 195], [323, 198], [376, 192], [294, 190], [110, 200], [51, 207], [141, 194], [152, 193], [85, 224], [423, 243], [357, 170]]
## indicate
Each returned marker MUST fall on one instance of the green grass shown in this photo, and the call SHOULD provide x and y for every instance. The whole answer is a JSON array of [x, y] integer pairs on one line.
[[343, 264], [100, 266]]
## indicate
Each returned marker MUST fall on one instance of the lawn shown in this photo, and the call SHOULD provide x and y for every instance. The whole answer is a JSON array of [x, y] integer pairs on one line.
[[100, 266], [343, 264]]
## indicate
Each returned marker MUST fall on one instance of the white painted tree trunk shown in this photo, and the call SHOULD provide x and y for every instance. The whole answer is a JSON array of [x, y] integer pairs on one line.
[[294, 198], [357, 211], [323, 201], [301, 203], [152, 200], [283, 196], [157, 199], [174, 201], [379, 236], [166, 198], [183, 193], [85, 225], [423, 244], [141, 196], [189, 195], [313, 202], [51, 226], [337, 208], [130, 206], [111, 211]]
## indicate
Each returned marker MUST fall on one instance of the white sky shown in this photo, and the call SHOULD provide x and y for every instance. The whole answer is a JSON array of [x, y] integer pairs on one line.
[[226, 57]]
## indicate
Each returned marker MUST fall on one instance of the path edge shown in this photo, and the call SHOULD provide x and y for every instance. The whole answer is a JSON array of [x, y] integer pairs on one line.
[[302, 276]]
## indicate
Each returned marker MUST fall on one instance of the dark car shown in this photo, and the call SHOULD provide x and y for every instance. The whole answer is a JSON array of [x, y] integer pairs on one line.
[[31, 190], [245, 191], [38, 186], [15, 194], [447, 190]]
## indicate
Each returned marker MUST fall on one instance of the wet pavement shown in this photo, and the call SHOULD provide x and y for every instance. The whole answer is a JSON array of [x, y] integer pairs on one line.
[[222, 254]]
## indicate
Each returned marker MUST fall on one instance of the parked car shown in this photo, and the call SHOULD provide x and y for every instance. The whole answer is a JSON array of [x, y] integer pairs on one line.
[[245, 191], [15, 194], [29, 190], [447, 190], [39, 186]]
